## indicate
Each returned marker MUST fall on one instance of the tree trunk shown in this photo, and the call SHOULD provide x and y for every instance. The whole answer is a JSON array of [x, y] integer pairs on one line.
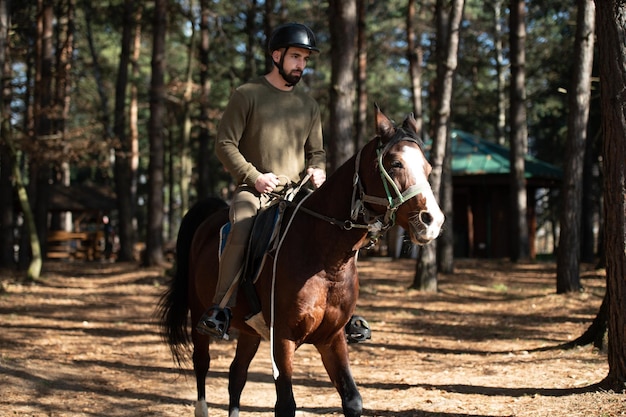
[[204, 150], [43, 113], [97, 72], [445, 242], [519, 132], [415, 54], [568, 253], [64, 51], [10, 168], [133, 139], [611, 24], [596, 331], [154, 230], [123, 144], [28, 125], [6, 161], [34, 267], [250, 69], [270, 22], [362, 134], [172, 177], [500, 70], [343, 29], [426, 270], [186, 164], [591, 202]]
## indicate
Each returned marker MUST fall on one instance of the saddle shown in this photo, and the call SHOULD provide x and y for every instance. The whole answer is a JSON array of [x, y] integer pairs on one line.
[[263, 237]]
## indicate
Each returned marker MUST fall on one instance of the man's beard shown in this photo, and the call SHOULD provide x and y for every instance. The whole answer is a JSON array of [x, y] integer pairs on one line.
[[292, 79]]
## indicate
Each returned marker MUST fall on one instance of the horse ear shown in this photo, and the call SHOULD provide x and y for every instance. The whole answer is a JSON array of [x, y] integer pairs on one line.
[[410, 123], [384, 126]]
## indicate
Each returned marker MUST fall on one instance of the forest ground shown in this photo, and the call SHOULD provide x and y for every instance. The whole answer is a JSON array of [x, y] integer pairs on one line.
[[82, 341]]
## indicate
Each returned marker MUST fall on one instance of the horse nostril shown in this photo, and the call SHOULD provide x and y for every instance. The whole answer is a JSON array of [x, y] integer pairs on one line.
[[426, 218]]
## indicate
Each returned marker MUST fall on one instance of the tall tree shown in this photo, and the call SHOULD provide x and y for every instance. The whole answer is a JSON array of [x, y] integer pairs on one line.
[[343, 29], [568, 253], [361, 80], [611, 24], [43, 113], [65, 22], [500, 71], [154, 230], [270, 22], [415, 56], [6, 161], [204, 150], [425, 278], [133, 138], [123, 143], [591, 197], [185, 142], [250, 13], [519, 131]]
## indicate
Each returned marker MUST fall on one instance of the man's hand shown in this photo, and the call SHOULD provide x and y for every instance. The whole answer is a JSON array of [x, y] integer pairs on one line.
[[318, 176], [266, 183]]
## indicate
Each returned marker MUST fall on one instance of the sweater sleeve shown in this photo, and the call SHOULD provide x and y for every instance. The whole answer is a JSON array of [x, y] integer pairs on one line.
[[229, 133], [314, 146]]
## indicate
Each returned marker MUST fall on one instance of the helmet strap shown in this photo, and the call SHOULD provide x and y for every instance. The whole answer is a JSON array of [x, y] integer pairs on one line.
[[280, 65]]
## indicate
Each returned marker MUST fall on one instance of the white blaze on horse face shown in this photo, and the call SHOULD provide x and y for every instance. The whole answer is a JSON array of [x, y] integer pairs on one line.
[[416, 166]]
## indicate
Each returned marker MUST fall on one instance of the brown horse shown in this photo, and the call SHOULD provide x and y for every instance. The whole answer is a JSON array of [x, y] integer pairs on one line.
[[308, 284]]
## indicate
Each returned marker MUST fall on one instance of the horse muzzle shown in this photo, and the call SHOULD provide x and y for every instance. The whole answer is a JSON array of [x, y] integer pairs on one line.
[[426, 227]]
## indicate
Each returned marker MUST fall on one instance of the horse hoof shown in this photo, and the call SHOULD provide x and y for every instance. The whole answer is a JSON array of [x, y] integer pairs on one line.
[[202, 410]]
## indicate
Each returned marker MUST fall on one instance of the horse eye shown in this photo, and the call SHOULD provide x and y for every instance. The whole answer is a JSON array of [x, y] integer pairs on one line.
[[396, 164]]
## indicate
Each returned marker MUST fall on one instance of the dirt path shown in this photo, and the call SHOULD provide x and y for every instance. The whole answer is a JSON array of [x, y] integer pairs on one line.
[[83, 342]]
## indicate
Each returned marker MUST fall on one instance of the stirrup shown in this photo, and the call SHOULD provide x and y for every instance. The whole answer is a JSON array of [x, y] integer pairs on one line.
[[358, 330], [215, 322]]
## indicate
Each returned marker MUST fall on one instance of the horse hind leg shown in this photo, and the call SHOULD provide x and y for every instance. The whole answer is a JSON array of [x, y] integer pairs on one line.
[[201, 362], [337, 364], [247, 346]]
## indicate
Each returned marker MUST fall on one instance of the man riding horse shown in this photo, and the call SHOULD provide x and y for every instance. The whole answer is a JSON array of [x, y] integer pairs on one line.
[[269, 137]]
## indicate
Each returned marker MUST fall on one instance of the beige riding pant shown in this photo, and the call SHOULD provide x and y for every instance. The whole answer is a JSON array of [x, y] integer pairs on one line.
[[245, 204]]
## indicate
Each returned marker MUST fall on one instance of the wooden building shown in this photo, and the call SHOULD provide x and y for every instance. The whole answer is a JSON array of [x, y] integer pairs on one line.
[[481, 197]]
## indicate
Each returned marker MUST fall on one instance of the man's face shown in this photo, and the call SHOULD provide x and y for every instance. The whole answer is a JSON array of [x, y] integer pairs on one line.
[[294, 62]]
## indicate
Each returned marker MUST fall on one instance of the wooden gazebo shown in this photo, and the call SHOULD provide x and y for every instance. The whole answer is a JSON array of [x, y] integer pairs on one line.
[[87, 204]]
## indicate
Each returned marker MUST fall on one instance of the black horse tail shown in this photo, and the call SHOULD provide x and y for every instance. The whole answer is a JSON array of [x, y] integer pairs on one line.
[[173, 306]]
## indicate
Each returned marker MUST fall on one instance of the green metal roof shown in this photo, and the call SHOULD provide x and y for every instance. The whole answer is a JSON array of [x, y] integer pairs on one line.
[[472, 155]]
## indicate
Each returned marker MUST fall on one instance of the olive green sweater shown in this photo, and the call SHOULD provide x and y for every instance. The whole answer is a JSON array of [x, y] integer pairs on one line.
[[265, 129]]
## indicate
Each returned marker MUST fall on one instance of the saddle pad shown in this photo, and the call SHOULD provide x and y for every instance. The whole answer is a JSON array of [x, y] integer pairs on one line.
[[258, 242], [224, 231]]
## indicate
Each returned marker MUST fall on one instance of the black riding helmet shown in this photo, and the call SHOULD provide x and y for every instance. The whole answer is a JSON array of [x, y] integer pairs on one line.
[[291, 35]]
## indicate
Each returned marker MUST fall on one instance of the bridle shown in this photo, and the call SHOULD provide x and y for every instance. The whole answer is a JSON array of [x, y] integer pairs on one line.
[[375, 223]]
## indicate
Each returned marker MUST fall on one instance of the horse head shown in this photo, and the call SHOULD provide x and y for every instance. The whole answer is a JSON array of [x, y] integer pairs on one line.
[[399, 183]]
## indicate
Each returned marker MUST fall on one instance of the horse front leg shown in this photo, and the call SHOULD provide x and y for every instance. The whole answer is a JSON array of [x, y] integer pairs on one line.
[[247, 346], [337, 363], [201, 362], [284, 351]]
